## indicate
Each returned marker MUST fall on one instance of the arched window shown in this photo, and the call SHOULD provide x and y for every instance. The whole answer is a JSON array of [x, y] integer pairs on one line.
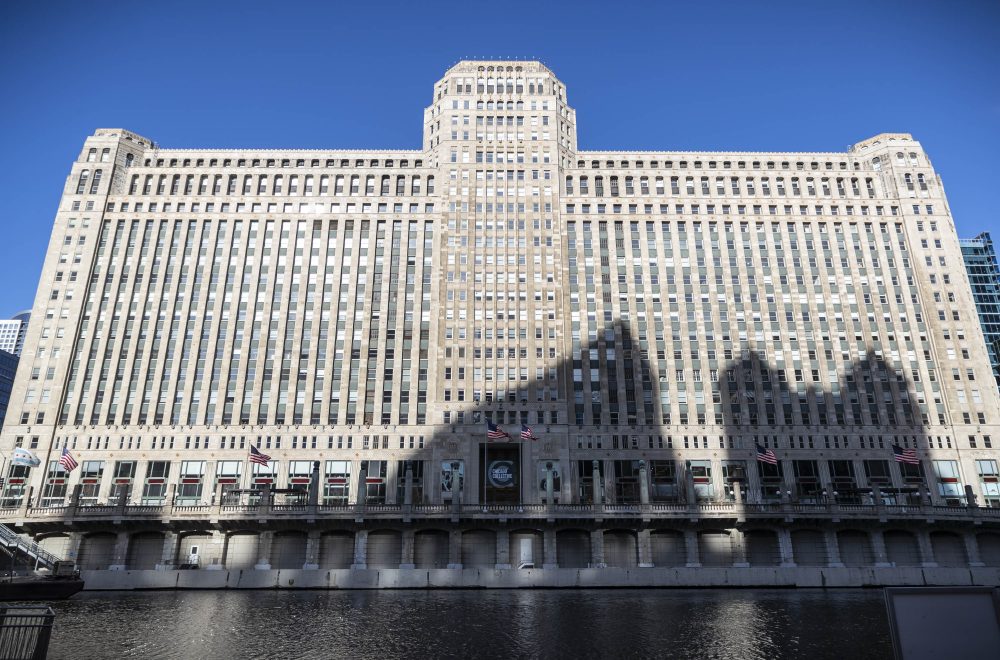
[[384, 189], [400, 185], [105, 155], [247, 184], [175, 185], [293, 185], [415, 186], [370, 184], [430, 185], [134, 186], [876, 164], [231, 188], [92, 155], [96, 182], [81, 184], [262, 185], [203, 185], [324, 185], [189, 184], [129, 159], [217, 185]]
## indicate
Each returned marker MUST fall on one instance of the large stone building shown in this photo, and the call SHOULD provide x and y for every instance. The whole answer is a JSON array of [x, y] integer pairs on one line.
[[653, 317]]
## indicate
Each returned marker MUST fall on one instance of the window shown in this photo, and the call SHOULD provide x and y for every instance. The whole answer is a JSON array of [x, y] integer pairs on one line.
[[949, 482]]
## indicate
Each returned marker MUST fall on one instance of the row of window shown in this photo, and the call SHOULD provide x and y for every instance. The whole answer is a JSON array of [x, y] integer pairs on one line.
[[876, 162], [736, 187], [282, 162], [218, 184]]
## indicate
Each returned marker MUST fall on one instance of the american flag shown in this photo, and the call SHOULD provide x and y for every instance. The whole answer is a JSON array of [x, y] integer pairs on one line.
[[905, 455], [258, 457], [766, 455], [494, 432], [526, 433], [67, 461]]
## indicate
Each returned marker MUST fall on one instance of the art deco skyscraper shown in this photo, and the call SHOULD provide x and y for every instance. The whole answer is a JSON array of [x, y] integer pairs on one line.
[[653, 317]]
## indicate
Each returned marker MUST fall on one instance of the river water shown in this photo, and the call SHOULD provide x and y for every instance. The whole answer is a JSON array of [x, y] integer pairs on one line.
[[740, 624]]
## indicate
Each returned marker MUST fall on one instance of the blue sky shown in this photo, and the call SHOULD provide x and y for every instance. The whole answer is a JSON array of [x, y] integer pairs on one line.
[[753, 76]]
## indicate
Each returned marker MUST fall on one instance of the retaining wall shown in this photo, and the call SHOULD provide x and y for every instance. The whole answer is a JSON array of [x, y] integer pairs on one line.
[[394, 578]]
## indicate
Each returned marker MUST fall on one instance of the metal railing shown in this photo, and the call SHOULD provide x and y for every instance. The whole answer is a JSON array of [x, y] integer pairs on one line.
[[16, 543], [378, 510], [25, 632]]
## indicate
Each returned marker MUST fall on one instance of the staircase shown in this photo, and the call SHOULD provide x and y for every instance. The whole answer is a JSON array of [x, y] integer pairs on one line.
[[13, 543]]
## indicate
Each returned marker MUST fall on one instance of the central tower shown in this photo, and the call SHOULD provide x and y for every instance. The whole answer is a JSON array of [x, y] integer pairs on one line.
[[498, 133]]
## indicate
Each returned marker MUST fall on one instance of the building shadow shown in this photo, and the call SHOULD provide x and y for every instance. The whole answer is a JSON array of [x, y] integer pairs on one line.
[[831, 443]]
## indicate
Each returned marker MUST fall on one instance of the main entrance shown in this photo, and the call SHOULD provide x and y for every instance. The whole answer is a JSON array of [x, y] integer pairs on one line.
[[500, 478]]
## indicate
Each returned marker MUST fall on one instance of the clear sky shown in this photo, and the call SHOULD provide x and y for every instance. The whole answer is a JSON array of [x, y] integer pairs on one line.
[[749, 76]]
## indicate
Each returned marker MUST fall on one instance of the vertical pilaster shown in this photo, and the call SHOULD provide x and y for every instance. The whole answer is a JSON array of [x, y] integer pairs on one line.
[[406, 558], [207, 494], [926, 549], [73, 551], [691, 545], [597, 549], [218, 543], [313, 541], [739, 542], [106, 482], [972, 549], [120, 555], [391, 479], [550, 557], [644, 487], [361, 489], [645, 549], [168, 560], [785, 547], [832, 549], [264, 543], [455, 548], [408, 486], [503, 549], [878, 547], [361, 549]]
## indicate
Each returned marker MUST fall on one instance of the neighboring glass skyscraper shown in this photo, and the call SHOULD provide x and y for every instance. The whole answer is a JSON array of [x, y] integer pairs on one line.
[[984, 276], [8, 368], [651, 317], [12, 332]]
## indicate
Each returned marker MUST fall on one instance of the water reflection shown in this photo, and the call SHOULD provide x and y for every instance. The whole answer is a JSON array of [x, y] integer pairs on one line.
[[743, 624]]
